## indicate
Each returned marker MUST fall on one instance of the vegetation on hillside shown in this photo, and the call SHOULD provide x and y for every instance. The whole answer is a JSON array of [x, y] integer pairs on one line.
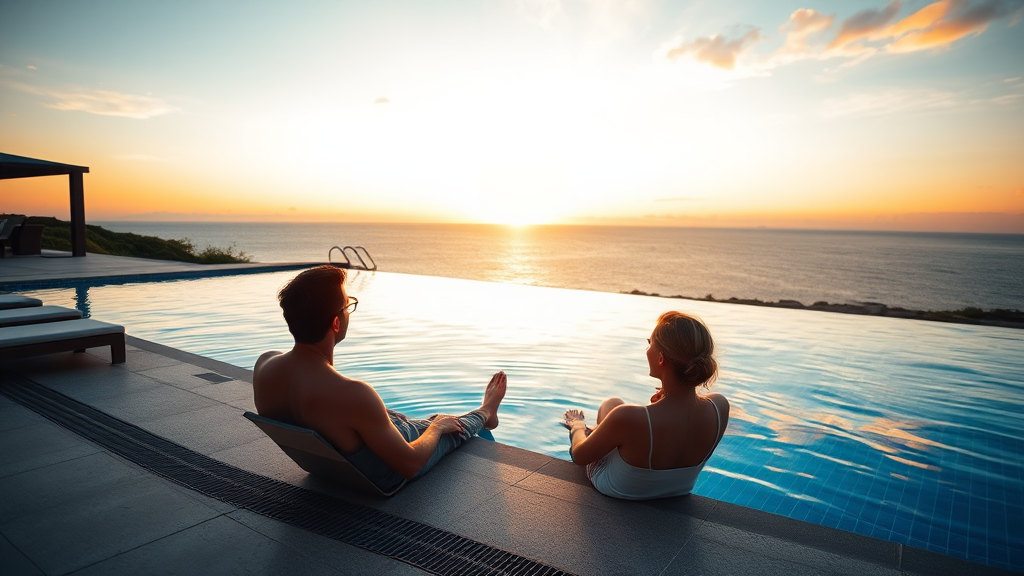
[[995, 317], [99, 240]]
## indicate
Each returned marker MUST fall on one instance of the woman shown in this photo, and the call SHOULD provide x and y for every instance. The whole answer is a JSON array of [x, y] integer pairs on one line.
[[656, 451]]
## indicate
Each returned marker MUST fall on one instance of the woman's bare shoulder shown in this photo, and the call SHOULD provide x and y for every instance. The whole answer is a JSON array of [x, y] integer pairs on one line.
[[721, 402], [628, 413]]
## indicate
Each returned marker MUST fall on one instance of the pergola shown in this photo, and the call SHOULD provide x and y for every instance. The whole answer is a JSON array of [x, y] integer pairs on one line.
[[12, 166]]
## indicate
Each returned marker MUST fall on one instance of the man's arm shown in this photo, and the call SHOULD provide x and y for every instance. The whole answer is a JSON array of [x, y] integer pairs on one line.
[[365, 413]]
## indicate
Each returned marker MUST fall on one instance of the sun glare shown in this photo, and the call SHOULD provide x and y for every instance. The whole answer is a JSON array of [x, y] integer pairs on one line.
[[511, 215]]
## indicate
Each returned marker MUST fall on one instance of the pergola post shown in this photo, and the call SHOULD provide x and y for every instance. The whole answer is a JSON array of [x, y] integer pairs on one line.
[[12, 166], [77, 214]]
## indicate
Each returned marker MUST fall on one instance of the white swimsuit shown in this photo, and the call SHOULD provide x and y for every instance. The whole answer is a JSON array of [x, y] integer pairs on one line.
[[613, 476]]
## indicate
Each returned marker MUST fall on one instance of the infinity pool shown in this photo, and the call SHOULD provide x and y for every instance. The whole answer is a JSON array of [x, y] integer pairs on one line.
[[898, 429]]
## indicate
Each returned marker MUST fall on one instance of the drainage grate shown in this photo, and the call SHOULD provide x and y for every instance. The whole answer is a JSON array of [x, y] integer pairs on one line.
[[425, 547], [213, 377]]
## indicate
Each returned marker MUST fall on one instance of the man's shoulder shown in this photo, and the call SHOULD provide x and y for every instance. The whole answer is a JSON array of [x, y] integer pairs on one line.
[[331, 383], [266, 356]]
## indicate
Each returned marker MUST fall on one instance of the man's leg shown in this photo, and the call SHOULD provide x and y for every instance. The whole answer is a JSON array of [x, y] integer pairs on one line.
[[410, 428], [472, 424]]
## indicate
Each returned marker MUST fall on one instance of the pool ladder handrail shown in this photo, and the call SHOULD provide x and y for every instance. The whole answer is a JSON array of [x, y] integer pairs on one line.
[[355, 251]]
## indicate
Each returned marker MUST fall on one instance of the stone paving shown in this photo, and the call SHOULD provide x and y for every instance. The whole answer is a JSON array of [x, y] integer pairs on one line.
[[58, 266]]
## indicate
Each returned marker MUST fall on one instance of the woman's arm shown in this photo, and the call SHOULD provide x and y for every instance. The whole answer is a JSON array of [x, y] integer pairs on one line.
[[588, 445]]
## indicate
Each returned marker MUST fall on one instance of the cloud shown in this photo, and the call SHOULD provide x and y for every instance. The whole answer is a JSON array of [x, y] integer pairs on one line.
[[1006, 99], [803, 24], [860, 37], [891, 102], [945, 22], [715, 50], [865, 24], [804, 27], [382, 100], [102, 102], [31, 67]]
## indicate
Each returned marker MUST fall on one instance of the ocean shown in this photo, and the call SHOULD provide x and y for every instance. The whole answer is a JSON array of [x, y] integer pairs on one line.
[[921, 271]]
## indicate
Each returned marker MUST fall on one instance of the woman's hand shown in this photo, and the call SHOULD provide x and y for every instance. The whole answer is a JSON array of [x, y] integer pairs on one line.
[[657, 395], [573, 419]]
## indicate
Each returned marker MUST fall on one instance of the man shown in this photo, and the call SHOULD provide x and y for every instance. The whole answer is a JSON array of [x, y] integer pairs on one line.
[[302, 387]]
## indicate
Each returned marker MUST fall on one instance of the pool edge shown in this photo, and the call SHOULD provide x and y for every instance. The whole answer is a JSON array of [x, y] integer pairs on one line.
[[900, 557]]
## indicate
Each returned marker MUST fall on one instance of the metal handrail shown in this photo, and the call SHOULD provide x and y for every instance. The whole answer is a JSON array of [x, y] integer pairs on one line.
[[362, 263], [330, 255], [367, 253], [348, 261]]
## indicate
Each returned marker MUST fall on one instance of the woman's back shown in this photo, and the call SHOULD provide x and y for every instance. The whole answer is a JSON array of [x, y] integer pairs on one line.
[[684, 431], [654, 451]]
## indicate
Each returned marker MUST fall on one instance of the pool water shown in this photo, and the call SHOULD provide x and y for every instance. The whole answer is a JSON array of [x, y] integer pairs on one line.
[[898, 429]]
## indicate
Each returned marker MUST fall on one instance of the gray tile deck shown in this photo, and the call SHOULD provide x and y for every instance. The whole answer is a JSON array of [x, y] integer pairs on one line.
[[56, 266], [69, 506]]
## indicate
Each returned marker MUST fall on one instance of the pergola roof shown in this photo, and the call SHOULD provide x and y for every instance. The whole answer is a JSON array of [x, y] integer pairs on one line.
[[12, 166]]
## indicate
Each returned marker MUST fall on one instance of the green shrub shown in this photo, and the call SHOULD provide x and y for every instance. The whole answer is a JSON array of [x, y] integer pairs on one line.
[[99, 240]]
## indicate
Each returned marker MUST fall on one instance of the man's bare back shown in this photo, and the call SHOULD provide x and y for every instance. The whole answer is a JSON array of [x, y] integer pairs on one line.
[[302, 387]]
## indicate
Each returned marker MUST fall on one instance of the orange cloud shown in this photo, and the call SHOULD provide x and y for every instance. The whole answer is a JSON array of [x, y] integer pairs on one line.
[[945, 22], [923, 18], [865, 24], [716, 50], [803, 24], [860, 36]]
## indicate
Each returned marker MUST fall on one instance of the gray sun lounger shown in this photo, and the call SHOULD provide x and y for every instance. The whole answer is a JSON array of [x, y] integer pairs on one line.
[[77, 335], [316, 455], [37, 315], [8, 301]]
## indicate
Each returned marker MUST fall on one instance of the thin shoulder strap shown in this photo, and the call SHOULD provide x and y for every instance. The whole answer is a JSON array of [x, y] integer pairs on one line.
[[718, 430], [650, 429]]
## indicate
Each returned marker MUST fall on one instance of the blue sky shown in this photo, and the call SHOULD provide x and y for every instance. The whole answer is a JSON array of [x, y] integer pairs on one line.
[[900, 115]]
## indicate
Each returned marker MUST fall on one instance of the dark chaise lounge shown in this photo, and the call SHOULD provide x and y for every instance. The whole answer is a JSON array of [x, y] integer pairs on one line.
[[37, 315], [77, 335], [7, 225], [10, 301], [27, 240], [316, 455]]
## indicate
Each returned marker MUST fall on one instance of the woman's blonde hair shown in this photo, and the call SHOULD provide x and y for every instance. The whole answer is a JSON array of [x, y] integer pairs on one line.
[[687, 345]]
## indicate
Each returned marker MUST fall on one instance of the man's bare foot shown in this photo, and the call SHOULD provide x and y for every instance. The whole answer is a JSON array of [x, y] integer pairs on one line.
[[493, 396]]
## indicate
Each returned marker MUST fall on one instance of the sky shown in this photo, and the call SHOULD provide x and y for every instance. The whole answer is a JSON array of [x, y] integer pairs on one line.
[[906, 115]]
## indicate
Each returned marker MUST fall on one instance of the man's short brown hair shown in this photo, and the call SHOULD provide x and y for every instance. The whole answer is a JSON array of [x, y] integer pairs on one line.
[[310, 302]]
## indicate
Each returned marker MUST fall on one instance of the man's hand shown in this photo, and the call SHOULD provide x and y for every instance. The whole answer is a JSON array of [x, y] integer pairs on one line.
[[446, 424]]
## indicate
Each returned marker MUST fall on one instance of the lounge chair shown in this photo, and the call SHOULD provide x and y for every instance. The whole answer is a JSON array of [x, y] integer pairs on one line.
[[27, 240], [37, 315], [35, 339], [315, 455], [9, 301], [6, 226]]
